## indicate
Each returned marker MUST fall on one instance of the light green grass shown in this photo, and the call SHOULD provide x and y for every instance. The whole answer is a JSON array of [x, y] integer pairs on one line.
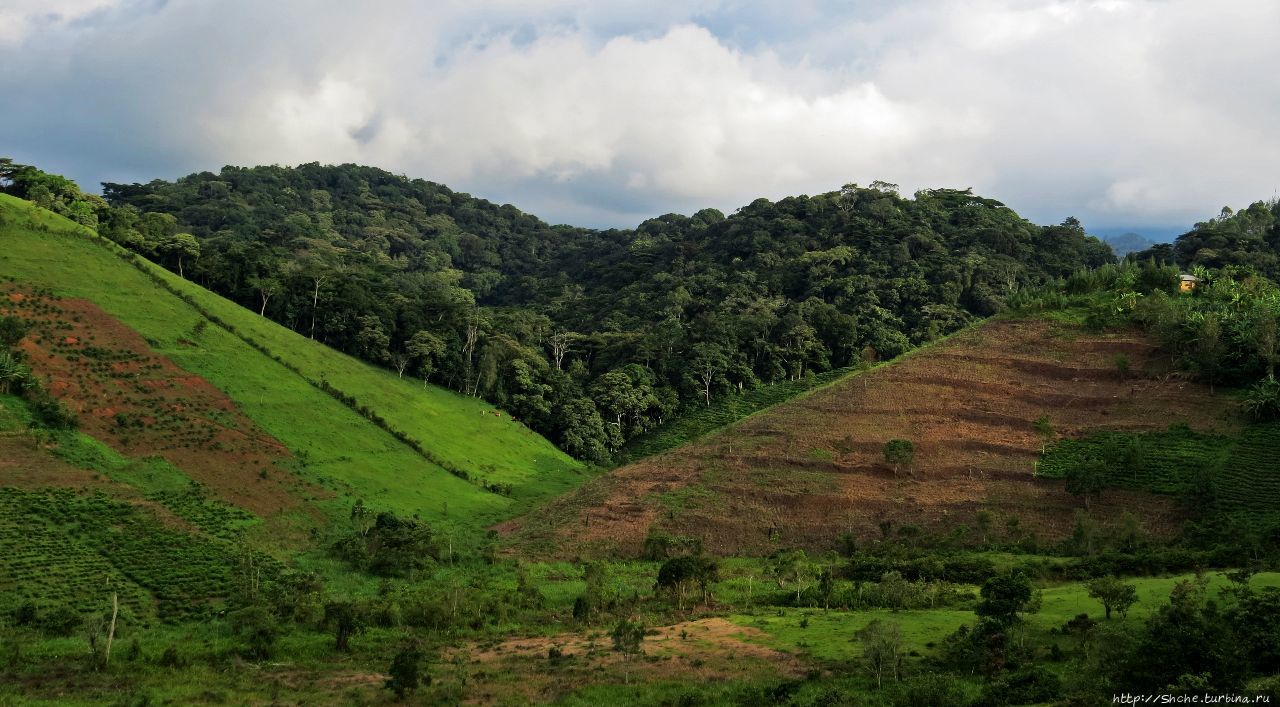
[[337, 446], [830, 635]]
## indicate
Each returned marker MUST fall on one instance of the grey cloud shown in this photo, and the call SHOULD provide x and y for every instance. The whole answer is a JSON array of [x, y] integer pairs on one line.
[[1117, 111]]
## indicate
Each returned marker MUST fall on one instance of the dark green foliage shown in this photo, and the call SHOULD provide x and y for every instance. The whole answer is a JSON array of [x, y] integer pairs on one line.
[[1189, 636], [930, 690], [346, 619], [899, 453], [1248, 237], [1262, 401], [1114, 595], [49, 412], [1034, 685], [390, 546], [405, 674], [61, 620], [679, 574], [594, 337], [1003, 596], [257, 628], [627, 637]]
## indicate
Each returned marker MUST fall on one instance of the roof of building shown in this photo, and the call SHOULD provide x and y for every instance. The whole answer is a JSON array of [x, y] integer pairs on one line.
[[1188, 278]]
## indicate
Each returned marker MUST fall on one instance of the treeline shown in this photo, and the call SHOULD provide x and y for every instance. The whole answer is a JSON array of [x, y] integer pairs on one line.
[[590, 337], [1249, 238]]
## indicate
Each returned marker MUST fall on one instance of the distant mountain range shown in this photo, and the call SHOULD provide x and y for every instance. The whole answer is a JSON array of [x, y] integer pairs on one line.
[[1124, 243]]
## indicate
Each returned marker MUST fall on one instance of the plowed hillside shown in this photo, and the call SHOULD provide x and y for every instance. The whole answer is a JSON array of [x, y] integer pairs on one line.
[[805, 472], [229, 397]]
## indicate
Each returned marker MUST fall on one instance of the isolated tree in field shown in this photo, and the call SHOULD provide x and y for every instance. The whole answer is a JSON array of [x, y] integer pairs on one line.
[[1003, 596], [1113, 594], [1043, 428], [405, 674], [256, 626], [1087, 479], [679, 575], [627, 638], [1122, 364], [882, 650], [984, 519], [899, 453]]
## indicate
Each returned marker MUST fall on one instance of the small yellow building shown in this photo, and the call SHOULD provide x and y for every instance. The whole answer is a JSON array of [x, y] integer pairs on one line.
[[1187, 283]]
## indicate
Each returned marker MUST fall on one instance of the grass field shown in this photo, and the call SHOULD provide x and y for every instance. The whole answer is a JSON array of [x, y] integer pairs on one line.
[[829, 635], [335, 445]]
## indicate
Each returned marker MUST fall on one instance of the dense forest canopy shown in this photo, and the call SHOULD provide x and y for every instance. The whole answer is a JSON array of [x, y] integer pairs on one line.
[[1249, 238], [589, 336]]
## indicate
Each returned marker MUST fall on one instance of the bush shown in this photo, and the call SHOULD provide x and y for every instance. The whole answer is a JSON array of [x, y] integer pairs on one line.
[[931, 690], [49, 412], [1263, 399], [60, 621], [1033, 685]]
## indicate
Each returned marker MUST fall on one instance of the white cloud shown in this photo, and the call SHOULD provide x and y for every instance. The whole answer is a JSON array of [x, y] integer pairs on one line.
[[20, 18], [1123, 112]]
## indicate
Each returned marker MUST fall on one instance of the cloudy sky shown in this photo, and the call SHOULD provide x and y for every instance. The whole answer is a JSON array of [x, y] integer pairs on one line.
[[1130, 114]]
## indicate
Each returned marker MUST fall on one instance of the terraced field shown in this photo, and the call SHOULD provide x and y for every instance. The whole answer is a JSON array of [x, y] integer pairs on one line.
[[1242, 470], [805, 472]]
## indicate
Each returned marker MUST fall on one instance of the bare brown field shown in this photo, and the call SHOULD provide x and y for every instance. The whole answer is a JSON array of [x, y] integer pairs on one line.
[[141, 404], [519, 671], [805, 472]]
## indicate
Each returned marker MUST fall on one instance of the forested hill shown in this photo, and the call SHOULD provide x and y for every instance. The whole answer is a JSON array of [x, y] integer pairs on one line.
[[1249, 237], [589, 336]]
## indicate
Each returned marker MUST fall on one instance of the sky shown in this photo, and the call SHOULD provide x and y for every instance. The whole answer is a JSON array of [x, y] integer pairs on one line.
[[1132, 115]]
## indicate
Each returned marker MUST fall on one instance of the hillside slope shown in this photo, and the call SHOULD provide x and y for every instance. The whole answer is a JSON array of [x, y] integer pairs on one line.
[[805, 472], [358, 437]]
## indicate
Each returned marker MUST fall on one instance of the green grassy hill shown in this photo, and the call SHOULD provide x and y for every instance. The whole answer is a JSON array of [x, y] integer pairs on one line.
[[354, 428]]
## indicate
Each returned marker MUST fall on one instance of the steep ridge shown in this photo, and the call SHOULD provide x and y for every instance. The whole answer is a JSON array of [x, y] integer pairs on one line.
[[357, 430], [806, 472]]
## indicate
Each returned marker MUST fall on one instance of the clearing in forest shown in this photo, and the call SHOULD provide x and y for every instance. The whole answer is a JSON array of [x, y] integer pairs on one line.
[[805, 472]]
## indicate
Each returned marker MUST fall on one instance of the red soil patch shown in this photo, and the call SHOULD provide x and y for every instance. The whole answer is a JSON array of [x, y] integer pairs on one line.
[[803, 473], [141, 404], [705, 650]]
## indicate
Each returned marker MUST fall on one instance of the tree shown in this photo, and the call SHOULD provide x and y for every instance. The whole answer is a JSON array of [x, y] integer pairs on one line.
[[984, 520], [1043, 428], [372, 342], [405, 674], [266, 287], [1113, 594], [882, 649], [680, 574], [258, 629], [628, 636], [179, 246], [1087, 479], [346, 620], [899, 453], [1003, 596], [424, 350], [14, 375], [792, 567]]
